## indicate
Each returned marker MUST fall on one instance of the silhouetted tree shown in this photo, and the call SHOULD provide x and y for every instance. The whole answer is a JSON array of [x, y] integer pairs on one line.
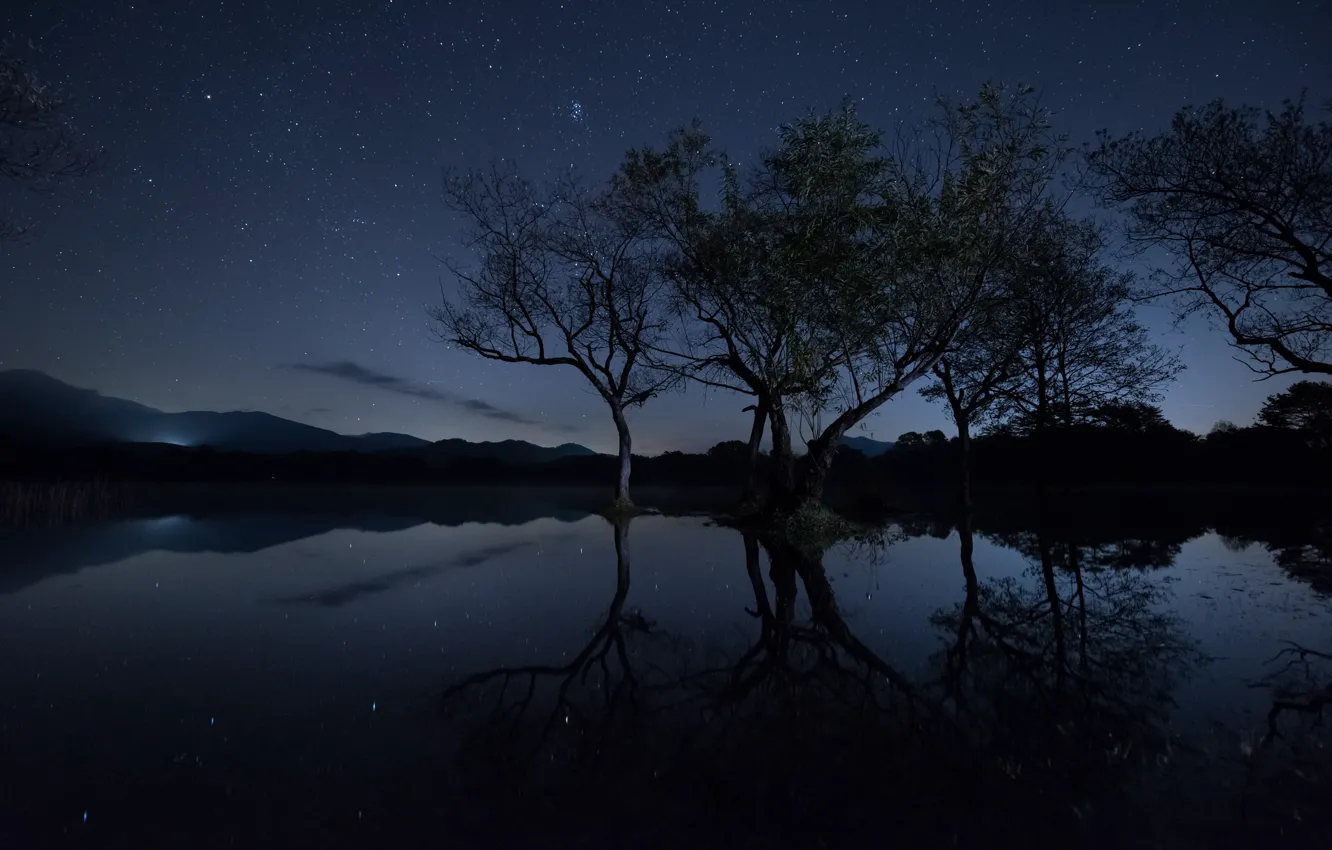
[[1129, 416], [971, 377], [558, 282], [1305, 407], [835, 276], [1080, 345], [910, 440], [37, 143], [1242, 204]]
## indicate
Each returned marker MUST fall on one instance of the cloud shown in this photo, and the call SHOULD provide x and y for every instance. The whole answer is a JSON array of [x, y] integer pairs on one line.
[[355, 373]]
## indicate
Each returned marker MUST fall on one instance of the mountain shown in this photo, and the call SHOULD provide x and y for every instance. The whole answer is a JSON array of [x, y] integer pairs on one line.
[[872, 448], [38, 408]]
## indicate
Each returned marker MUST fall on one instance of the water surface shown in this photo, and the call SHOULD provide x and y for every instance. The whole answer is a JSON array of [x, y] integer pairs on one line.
[[294, 678]]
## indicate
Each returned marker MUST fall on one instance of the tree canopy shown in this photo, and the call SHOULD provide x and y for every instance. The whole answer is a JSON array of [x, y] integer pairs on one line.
[[37, 142], [1241, 203]]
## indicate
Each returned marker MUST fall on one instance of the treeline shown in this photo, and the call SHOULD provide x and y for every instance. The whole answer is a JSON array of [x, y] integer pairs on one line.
[[843, 267], [1088, 455], [1081, 455]]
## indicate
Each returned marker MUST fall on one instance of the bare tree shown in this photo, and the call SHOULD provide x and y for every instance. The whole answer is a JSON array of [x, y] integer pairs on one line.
[[557, 282], [37, 144], [1242, 205], [1080, 344]]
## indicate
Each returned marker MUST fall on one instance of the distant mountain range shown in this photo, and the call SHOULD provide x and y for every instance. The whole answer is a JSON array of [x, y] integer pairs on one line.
[[872, 448], [35, 407]]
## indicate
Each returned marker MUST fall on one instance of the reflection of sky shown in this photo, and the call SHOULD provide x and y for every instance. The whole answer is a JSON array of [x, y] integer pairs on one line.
[[428, 599], [330, 649]]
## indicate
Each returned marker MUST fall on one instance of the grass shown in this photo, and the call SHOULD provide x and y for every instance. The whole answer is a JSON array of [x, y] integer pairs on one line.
[[812, 528], [35, 505]]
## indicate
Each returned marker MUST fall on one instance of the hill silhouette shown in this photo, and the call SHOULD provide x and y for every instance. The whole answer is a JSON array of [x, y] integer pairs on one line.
[[37, 409]]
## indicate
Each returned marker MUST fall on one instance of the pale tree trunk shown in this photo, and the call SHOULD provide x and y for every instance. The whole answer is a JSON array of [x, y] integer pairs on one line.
[[962, 417], [782, 491], [626, 452]]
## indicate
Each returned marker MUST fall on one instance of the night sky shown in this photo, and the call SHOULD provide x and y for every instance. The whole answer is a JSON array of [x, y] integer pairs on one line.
[[264, 232]]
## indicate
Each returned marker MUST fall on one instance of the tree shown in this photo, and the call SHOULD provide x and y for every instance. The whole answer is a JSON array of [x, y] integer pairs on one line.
[[910, 440], [836, 275], [1242, 205], [1305, 407], [558, 282], [37, 144], [1130, 416], [980, 367], [1080, 347]]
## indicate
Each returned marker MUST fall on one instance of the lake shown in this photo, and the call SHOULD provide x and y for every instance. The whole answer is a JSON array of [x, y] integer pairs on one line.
[[491, 668]]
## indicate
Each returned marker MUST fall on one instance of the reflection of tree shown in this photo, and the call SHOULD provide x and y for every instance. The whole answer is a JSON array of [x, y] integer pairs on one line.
[[1065, 677], [1289, 772], [804, 729], [798, 720], [1090, 552], [603, 668], [1304, 550]]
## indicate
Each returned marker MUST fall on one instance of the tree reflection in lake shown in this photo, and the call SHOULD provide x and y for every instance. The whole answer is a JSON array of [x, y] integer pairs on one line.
[[1064, 677], [1051, 695]]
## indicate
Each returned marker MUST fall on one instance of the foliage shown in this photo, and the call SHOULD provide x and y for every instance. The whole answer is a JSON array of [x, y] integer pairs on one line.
[[1242, 205], [1305, 407], [836, 272], [37, 144], [1129, 416], [1079, 345]]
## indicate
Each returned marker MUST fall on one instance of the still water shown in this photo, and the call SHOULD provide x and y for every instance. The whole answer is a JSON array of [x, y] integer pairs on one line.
[[303, 679]]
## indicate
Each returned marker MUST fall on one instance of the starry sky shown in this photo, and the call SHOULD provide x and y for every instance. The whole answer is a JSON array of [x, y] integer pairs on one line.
[[264, 233]]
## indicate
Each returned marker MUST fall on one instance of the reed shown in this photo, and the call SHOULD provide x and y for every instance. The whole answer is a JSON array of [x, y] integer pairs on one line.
[[45, 504]]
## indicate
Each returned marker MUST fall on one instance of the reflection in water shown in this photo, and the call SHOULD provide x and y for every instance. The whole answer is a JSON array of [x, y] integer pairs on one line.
[[343, 594], [1049, 692], [1064, 679], [716, 688]]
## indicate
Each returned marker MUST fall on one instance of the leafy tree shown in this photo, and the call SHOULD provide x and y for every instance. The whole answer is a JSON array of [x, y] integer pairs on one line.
[[979, 369], [910, 440], [558, 282], [1080, 347], [1242, 205], [37, 144], [1130, 416], [1305, 407], [835, 275]]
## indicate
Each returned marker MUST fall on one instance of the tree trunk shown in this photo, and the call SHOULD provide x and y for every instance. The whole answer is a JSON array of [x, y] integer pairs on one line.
[[817, 463], [782, 489], [626, 452], [962, 418], [964, 464], [750, 496]]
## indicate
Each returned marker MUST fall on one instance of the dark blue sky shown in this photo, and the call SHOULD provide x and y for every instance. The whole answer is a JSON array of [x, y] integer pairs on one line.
[[271, 193]]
